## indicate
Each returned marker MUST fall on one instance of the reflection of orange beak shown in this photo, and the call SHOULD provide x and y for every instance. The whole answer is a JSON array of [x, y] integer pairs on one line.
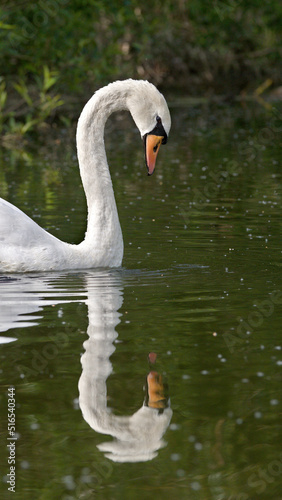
[[152, 146], [156, 390]]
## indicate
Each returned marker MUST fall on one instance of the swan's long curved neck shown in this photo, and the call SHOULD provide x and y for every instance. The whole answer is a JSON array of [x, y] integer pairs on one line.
[[103, 224]]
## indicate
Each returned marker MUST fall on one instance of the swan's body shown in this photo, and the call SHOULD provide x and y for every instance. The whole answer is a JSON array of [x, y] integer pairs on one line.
[[25, 246]]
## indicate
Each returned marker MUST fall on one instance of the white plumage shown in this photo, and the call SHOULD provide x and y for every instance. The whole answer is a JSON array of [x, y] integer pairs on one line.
[[25, 246]]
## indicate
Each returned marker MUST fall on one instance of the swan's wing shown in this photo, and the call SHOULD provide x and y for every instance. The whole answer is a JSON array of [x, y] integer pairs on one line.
[[25, 246], [17, 229]]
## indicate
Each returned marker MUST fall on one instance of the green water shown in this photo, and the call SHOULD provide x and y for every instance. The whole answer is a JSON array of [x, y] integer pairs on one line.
[[200, 286]]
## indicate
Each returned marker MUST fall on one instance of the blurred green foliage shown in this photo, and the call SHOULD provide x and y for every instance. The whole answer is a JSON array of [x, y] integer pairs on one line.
[[192, 47]]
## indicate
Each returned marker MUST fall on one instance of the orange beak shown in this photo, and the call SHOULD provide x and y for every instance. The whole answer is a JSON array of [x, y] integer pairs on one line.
[[156, 390], [152, 146]]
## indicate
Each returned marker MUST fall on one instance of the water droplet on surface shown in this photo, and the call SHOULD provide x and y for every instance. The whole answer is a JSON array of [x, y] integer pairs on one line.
[[195, 486], [257, 414], [180, 473], [198, 446], [174, 427], [24, 464], [34, 426]]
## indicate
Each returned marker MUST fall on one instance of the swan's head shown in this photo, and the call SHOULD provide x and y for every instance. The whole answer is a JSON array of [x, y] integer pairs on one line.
[[151, 115]]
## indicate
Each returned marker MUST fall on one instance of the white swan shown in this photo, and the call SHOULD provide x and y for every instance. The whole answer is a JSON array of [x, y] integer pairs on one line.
[[25, 246]]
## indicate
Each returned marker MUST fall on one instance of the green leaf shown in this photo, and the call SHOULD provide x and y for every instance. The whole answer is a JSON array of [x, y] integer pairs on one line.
[[22, 89]]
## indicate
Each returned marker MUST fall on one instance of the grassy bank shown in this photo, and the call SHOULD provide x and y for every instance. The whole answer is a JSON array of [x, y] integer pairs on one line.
[[54, 53]]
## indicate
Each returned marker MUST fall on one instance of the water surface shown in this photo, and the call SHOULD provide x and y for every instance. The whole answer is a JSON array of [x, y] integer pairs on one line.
[[200, 286]]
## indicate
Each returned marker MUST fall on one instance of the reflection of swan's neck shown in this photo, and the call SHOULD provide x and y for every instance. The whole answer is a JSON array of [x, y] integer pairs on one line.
[[103, 227], [137, 436]]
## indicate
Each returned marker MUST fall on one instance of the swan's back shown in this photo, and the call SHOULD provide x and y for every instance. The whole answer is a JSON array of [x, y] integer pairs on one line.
[[16, 228], [23, 243]]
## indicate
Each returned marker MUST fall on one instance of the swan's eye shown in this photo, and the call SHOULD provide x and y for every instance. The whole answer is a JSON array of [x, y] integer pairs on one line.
[[158, 130], [159, 127]]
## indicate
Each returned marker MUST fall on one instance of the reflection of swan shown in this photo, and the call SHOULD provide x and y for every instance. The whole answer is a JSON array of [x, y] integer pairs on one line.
[[22, 299], [139, 436], [21, 296], [25, 246]]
